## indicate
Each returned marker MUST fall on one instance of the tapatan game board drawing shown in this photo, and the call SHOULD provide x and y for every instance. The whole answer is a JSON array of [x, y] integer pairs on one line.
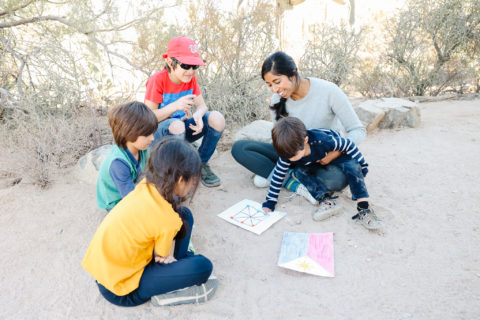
[[249, 215]]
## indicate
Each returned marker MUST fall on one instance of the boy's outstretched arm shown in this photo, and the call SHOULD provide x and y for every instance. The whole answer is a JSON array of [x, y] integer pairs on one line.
[[279, 173]]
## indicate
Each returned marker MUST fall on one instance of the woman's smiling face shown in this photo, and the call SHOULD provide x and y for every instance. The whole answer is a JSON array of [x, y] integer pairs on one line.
[[280, 84]]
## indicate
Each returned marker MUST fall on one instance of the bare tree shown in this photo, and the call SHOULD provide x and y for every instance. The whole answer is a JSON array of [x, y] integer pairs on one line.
[[332, 53], [68, 40], [425, 40]]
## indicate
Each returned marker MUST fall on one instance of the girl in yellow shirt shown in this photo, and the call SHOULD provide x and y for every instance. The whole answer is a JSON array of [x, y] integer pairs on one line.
[[140, 251]]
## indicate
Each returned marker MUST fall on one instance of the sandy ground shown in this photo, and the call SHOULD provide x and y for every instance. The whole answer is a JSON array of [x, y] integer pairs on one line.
[[425, 265]]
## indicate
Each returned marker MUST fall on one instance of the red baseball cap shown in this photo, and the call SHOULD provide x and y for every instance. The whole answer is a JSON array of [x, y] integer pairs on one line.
[[184, 50]]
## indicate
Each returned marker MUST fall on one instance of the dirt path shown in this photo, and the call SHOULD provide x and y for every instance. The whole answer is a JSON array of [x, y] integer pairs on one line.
[[425, 265]]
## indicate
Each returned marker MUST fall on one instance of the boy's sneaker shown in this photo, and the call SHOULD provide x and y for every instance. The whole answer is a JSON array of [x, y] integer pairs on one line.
[[368, 219], [193, 294], [328, 208], [303, 191], [209, 179], [260, 182]]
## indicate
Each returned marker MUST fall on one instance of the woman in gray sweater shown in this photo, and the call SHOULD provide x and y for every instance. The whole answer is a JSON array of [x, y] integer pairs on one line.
[[320, 105]]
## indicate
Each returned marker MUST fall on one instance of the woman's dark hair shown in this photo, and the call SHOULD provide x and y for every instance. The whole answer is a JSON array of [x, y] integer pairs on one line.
[[288, 137], [130, 121], [170, 159], [280, 63]]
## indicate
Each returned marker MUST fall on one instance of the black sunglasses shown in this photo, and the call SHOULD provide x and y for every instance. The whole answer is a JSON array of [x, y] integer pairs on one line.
[[185, 66]]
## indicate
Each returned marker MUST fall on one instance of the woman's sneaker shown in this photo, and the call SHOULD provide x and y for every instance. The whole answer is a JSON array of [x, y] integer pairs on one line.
[[193, 294], [368, 219], [260, 182], [328, 207], [303, 191]]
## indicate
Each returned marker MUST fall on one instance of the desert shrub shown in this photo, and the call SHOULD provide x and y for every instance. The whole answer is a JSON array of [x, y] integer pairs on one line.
[[332, 53], [370, 80], [234, 45], [47, 140], [62, 63], [426, 42]]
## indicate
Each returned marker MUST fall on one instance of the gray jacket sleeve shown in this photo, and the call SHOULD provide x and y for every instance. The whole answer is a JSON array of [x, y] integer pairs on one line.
[[342, 107]]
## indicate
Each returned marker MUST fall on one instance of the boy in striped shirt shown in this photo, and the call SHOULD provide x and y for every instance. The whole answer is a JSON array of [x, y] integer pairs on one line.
[[297, 146]]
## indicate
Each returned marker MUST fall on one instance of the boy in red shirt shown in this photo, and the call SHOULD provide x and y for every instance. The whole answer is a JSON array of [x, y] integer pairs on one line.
[[173, 91]]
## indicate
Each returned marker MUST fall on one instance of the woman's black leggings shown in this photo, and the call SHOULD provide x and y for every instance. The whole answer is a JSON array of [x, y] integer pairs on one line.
[[258, 157]]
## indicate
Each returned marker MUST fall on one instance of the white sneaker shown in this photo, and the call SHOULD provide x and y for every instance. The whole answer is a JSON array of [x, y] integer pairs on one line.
[[368, 219], [193, 294], [261, 182], [328, 208], [303, 191]]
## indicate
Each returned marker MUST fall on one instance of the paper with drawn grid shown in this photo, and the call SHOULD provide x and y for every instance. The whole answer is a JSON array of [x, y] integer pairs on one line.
[[249, 215]]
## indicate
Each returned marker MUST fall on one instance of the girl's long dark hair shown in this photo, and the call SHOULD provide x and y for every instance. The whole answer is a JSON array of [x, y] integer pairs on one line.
[[170, 159], [280, 63]]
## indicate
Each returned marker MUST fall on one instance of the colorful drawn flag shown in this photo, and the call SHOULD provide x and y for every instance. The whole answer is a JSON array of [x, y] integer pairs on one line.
[[308, 252]]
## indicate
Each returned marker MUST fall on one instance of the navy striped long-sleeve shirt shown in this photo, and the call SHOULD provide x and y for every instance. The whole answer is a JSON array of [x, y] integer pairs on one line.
[[321, 142]]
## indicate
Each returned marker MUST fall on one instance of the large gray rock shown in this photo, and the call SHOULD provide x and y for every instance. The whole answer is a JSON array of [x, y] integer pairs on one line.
[[370, 116], [396, 113], [87, 166], [258, 130]]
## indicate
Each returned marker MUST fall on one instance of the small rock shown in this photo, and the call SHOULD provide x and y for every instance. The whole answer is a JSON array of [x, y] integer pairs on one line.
[[407, 315], [368, 259], [454, 191], [298, 221], [380, 253], [477, 274], [383, 284], [224, 239], [60, 231], [165, 313]]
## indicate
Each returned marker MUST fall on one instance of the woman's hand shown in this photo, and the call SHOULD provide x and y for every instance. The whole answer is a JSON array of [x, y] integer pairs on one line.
[[332, 155]]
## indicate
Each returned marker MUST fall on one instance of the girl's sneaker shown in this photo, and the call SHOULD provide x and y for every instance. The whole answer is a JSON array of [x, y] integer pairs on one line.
[[368, 219], [193, 294], [328, 207]]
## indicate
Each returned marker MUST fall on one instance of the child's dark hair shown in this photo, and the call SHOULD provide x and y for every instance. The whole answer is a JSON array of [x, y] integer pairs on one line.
[[280, 63], [130, 121], [174, 65], [288, 136], [170, 159]]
